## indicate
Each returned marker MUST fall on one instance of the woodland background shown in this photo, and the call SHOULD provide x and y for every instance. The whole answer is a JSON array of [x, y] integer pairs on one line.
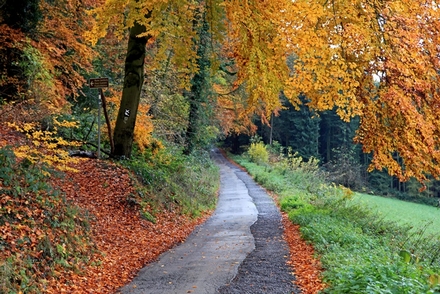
[[353, 84]]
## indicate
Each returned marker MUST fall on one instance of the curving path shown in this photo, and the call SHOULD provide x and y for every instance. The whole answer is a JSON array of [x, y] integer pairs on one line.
[[239, 249]]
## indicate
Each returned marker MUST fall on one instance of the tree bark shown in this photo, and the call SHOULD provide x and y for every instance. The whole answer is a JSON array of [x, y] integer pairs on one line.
[[133, 81], [196, 97]]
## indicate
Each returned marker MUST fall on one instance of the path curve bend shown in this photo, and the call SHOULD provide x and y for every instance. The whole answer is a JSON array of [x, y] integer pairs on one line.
[[213, 257]]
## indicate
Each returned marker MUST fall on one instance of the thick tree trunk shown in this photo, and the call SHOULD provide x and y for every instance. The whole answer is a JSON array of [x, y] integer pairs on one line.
[[133, 81]]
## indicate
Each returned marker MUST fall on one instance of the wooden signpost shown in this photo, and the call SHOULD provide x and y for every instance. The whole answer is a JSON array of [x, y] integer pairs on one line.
[[99, 83]]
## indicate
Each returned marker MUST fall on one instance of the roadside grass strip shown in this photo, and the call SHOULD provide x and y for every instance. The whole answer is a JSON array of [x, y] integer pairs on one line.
[[363, 249]]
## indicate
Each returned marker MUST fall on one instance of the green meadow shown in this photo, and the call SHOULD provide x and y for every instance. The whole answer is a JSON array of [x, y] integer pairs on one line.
[[418, 216]]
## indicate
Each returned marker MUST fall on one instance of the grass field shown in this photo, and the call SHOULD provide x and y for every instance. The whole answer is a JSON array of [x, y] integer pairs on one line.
[[417, 215]]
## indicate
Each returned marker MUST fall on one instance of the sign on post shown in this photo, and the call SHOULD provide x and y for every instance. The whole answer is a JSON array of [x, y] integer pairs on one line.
[[98, 83]]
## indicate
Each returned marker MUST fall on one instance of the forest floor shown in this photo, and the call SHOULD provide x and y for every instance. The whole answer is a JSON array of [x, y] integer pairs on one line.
[[125, 242]]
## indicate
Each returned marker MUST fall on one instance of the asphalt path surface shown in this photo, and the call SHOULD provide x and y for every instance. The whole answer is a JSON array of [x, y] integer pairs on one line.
[[239, 249]]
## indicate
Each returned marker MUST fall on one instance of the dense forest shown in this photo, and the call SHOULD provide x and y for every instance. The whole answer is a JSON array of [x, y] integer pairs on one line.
[[193, 72], [354, 84]]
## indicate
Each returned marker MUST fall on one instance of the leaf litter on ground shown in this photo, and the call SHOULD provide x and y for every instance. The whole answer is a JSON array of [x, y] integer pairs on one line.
[[124, 241]]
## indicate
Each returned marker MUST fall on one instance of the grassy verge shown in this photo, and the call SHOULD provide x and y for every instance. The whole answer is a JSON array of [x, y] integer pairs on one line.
[[360, 250], [168, 179]]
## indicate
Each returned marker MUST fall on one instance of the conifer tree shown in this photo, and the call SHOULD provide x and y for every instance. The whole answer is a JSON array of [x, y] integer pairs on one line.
[[298, 129]]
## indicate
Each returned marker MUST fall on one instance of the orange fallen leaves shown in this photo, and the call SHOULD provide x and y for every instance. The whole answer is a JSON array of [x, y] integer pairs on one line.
[[307, 267], [125, 242]]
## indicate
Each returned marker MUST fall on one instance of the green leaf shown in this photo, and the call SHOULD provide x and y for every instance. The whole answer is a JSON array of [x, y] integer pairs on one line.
[[406, 256]]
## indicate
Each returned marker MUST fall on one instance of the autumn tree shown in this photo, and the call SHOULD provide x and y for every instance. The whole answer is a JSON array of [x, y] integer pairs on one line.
[[133, 81], [43, 55], [374, 59], [378, 60], [170, 23]]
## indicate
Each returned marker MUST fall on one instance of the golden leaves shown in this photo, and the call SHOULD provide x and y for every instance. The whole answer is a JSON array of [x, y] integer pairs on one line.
[[258, 51], [46, 147], [171, 24], [377, 60], [368, 58]]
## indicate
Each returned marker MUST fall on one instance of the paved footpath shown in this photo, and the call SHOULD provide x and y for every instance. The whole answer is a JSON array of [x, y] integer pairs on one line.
[[221, 255]]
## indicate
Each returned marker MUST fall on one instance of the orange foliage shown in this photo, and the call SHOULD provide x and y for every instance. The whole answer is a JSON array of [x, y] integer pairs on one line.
[[52, 61], [256, 46], [231, 113], [373, 59], [120, 234], [144, 125], [143, 128]]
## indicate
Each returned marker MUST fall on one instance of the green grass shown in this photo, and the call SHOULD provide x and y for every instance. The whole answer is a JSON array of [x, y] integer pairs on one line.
[[418, 216], [175, 181]]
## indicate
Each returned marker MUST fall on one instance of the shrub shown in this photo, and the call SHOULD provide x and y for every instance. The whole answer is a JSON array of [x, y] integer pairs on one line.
[[345, 169], [173, 180], [258, 153]]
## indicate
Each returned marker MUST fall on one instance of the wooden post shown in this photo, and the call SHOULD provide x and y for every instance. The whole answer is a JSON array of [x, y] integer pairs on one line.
[[107, 120]]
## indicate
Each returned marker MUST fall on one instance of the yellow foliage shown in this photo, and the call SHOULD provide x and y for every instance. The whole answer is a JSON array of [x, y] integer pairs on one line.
[[374, 59], [144, 125], [46, 147], [258, 153], [143, 128]]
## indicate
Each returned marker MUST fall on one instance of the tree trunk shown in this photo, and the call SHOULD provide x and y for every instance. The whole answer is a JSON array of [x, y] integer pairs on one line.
[[133, 81], [196, 96]]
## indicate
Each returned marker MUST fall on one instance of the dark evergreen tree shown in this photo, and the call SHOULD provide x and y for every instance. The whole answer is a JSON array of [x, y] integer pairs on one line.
[[198, 96], [22, 14], [298, 129], [335, 134]]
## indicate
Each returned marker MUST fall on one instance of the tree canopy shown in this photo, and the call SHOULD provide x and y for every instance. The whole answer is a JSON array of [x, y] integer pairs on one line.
[[373, 59]]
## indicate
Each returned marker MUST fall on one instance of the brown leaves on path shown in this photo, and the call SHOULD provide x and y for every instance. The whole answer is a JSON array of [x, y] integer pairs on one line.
[[307, 267], [124, 241]]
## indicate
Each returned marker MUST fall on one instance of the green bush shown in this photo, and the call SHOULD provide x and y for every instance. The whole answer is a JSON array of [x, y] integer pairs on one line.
[[293, 202], [173, 180], [258, 153]]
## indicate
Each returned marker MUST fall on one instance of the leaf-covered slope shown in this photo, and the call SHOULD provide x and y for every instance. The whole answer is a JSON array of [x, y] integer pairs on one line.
[[123, 241]]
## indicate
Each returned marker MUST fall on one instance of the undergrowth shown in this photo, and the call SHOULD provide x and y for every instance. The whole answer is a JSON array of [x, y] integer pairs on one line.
[[175, 181], [360, 251], [41, 235]]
